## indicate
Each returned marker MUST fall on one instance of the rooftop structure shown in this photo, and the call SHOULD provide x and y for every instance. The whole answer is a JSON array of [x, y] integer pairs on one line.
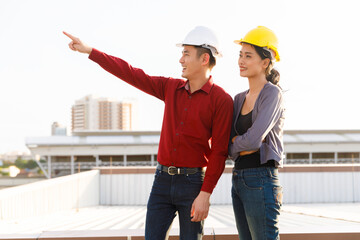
[[87, 149]]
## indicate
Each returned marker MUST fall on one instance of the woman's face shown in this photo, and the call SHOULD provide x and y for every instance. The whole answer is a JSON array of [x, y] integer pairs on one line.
[[250, 63]]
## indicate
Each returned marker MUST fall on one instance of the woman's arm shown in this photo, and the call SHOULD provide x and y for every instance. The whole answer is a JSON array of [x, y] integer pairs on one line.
[[269, 111]]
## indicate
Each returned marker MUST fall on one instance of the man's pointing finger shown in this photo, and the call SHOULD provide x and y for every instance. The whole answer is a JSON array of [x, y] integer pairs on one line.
[[70, 36]]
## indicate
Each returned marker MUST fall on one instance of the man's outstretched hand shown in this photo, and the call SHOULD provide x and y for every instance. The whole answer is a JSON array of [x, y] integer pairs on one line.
[[77, 45]]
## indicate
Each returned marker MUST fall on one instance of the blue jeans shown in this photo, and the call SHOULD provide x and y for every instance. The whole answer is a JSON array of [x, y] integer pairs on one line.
[[171, 194], [257, 198]]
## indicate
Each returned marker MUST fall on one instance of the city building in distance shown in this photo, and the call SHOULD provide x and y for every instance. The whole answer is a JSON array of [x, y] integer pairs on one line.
[[95, 113], [58, 130]]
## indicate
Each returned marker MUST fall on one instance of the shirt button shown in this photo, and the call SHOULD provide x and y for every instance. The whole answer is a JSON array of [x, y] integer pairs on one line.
[[185, 109], [182, 123], [189, 97], [177, 134], [175, 149]]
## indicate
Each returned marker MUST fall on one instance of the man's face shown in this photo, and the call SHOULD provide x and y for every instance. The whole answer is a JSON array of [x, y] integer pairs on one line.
[[190, 62]]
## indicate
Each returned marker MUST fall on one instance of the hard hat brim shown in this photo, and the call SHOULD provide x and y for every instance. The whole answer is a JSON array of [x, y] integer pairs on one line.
[[238, 41], [277, 57], [213, 51]]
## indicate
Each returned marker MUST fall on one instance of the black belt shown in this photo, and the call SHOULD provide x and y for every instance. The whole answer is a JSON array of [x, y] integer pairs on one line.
[[172, 170]]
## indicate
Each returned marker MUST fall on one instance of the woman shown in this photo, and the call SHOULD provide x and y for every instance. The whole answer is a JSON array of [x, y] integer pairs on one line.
[[256, 139]]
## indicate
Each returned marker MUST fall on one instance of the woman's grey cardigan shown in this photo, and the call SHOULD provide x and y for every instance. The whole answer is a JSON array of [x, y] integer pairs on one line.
[[266, 132]]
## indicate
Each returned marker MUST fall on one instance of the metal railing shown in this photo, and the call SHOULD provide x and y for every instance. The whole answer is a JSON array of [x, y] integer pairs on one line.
[[322, 161]]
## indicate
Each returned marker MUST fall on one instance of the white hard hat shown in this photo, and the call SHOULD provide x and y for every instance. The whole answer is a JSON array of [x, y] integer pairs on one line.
[[202, 37]]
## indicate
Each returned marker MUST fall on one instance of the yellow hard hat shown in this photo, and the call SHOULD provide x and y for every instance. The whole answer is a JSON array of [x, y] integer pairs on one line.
[[261, 37]]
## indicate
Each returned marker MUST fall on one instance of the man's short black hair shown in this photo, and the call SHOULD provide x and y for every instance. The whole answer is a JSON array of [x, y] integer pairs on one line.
[[201, 51]]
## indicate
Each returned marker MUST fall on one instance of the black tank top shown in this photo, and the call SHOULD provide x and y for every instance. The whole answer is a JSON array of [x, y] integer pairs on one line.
[[243, 123]]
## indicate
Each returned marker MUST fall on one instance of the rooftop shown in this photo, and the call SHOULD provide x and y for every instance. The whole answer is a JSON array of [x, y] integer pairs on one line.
[[294, 218], [152, 137], [102, 204]]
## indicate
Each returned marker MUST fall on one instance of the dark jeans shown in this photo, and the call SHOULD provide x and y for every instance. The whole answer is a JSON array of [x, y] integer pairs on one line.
[[171, 194], [257, 198]]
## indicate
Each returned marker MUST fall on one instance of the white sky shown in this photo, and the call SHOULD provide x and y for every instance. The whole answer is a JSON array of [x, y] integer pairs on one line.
[[41, 78]]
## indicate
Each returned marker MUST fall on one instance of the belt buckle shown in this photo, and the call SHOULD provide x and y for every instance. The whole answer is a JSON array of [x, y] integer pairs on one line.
[[171, 172]]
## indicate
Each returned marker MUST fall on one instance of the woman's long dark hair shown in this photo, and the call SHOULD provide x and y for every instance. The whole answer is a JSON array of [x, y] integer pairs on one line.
[[272, 75]]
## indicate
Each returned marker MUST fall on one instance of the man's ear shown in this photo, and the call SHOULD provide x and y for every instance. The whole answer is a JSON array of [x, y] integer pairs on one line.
[[205, 58]]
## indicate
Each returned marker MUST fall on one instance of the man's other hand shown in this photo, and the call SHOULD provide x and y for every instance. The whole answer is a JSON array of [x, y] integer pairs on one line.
[[200, 207]]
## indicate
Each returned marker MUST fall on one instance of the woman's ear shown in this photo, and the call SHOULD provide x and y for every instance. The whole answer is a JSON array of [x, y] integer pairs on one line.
[[266, 63]]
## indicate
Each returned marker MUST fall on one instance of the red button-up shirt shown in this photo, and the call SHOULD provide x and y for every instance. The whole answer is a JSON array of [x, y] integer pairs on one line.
[[190, 119]]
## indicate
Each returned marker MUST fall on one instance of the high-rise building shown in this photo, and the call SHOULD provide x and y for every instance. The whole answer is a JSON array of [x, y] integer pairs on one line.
[[92, 113]]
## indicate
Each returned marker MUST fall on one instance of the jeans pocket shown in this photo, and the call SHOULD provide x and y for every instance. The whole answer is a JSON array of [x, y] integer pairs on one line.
[[197, 178], [273, 177], [157, 174], [273, 172], [278, 195], [253, 182]]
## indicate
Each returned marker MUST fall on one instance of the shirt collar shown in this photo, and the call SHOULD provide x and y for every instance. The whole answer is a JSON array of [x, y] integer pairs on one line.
[[206, 88]]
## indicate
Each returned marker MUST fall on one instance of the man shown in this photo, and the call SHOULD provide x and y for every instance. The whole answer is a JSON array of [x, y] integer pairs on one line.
[[194, 135]]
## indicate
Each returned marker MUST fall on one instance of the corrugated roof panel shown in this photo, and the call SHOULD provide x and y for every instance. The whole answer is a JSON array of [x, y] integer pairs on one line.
[[110, 140], [353, 136], [93, 140], [53, 140], [321, 137], [154, 139], [150, 139], [290, 138]]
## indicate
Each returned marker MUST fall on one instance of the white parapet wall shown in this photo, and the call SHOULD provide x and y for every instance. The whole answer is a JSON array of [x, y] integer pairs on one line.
[[132, 186], [301, 184], [321, 187], [49, 196]]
